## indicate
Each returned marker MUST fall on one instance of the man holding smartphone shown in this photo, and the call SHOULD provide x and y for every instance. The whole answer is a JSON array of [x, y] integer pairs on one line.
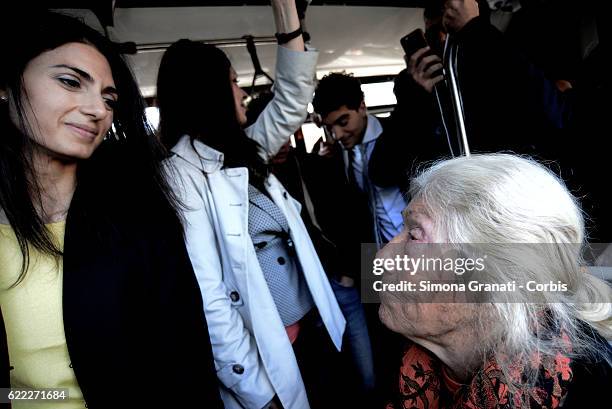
[[508, 103], [418, 135]]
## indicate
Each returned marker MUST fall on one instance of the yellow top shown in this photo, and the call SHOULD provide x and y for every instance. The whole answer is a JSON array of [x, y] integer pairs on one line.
[[34, 323]]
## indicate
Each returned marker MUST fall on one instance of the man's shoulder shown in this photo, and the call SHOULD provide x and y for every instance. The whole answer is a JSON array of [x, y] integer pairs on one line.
[[384, 121], [388, 136]]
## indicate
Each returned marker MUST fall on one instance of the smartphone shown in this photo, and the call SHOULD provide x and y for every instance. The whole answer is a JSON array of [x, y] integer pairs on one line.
[[413, 41]]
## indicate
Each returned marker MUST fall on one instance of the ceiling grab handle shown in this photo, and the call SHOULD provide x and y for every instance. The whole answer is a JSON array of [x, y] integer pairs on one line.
[[252, 49], [451, 49]]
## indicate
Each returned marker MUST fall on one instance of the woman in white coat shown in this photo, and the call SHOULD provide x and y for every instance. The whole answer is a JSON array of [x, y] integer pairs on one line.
[[261, 280]]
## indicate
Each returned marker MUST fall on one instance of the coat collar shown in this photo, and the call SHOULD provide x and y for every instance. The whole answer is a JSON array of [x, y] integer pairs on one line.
[[198, 154], [373, 130]]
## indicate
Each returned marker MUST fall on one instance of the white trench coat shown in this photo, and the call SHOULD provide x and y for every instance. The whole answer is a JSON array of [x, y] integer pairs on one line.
[[253, 355]]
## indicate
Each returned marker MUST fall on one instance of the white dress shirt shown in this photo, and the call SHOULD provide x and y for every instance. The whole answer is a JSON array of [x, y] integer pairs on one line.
[[388, 201]]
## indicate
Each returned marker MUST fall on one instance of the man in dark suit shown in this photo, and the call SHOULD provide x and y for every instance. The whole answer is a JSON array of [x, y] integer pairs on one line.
[[351, 208], [340, 103]]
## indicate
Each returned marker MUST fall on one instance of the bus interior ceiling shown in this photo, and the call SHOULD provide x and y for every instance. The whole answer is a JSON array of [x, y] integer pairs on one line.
[[362, 40], [359, 37]]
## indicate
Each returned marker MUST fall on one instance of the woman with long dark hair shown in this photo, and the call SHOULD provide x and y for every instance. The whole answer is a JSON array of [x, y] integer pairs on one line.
[[97, 293], [273, 319]]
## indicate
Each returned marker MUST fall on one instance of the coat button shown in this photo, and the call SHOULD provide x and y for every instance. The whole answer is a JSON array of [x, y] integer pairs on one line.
[[285, 195], [239, 369], [70, 365], [234, 296], [281, 261]]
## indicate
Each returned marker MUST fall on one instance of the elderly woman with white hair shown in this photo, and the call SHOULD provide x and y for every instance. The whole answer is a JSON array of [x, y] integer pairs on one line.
[[505, 351]]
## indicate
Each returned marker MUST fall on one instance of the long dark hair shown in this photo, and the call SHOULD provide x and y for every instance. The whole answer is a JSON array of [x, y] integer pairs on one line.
[[123, 177], [195, 98]]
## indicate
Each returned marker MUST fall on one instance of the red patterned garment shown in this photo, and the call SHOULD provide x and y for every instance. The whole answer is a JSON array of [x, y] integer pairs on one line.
[[424, 384]]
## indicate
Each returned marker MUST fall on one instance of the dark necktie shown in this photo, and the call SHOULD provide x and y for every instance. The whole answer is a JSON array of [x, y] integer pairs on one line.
[[365, 187], [351, 169]]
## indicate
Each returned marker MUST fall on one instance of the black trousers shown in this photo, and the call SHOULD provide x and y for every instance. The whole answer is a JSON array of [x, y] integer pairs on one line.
[[388, 350], [328, 378]]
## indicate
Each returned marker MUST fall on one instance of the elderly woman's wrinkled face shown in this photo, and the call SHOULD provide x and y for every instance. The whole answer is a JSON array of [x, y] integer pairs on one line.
[[416, 318], [418, 225]]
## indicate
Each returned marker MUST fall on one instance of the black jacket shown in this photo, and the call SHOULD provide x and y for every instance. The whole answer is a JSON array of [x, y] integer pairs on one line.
[[133, 317], [591, 381], [508, 104], [341, 209]]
